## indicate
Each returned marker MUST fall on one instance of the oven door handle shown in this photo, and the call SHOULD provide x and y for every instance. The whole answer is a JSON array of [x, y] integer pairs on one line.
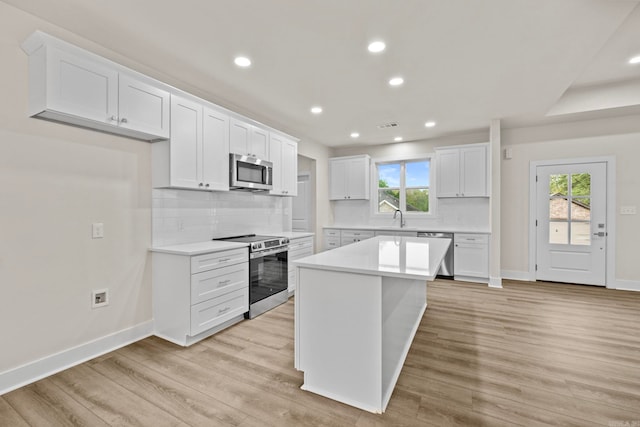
[[268, 252]]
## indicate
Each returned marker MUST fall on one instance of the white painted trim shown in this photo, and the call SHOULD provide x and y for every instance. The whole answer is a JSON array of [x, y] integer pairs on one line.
[[610, 162], [495, 282], [49, 365], [627, 285], [517, 275]]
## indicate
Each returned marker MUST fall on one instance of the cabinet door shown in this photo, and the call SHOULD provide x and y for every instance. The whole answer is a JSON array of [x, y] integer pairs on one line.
[[186, 143], [358, 179], [215, 150], [471, 260], [259, 143], [239, 134], [275, 148], [473, 172], [290, 167], [337, 179], [448, 173], [143, 107], [81, 87]]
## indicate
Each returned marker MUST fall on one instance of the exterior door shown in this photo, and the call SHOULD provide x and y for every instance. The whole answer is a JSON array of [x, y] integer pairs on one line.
[[571, 228]]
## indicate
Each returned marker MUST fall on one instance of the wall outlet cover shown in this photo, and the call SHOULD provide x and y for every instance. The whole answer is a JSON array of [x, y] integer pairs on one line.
[[627, 210], [99, 298]]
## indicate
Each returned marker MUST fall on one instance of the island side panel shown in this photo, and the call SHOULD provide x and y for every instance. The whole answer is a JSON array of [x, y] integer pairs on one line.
[[403, 304], [340, 336]]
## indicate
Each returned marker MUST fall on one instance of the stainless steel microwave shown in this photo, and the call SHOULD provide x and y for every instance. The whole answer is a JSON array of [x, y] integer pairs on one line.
[[250, 173]]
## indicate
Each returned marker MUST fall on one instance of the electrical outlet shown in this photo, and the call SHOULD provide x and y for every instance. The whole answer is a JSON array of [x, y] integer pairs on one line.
[[627, 210], [99, 298], [97, 230]]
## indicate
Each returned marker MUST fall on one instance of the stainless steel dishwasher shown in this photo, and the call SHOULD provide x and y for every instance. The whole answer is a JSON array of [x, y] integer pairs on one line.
[[446, 269]]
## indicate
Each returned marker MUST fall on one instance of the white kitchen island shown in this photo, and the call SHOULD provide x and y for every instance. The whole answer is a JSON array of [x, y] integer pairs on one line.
[[357, 309]]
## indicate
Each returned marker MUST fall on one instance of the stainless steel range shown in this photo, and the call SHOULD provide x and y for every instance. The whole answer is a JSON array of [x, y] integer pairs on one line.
[[268, 271]]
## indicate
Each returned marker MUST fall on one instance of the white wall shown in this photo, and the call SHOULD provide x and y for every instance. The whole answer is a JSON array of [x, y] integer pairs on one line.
[[619, 137], [57, 180]]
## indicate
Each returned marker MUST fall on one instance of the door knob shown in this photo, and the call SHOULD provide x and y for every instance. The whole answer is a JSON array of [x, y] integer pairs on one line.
[[600, 234], [124, 120]]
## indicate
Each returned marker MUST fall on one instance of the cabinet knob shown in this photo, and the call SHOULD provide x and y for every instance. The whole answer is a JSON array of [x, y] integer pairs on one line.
[[124, 120], [207, 185], [113, 118], [200, 185]]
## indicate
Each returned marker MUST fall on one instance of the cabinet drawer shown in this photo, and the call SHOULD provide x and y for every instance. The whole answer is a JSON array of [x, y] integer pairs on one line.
[[331, 232], [481, 239], [200, 263], [300, 246], [213, 283], [209, 314], [359, 235], [332, 243]]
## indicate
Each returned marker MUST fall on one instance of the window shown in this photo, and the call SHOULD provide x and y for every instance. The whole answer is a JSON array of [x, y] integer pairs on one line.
[[403, 185]]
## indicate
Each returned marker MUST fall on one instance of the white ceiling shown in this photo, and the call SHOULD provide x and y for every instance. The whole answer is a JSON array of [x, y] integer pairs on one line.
[[464, 62]]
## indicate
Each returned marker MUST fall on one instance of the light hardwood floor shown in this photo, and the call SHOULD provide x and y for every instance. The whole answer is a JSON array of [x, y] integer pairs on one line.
[[530, 354]]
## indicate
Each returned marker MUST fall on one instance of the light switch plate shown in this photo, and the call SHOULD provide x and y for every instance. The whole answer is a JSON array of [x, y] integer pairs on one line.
[[627, 210], [97, 230]]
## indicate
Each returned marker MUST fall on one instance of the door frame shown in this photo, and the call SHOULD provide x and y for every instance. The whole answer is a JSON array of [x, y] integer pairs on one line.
[[610, 162]]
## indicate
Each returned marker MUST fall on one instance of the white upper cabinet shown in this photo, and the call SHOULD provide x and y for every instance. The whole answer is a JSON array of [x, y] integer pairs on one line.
[[349, 178], [462, 171], [197, 155], [70, 85], [284, 156], [248, 139]]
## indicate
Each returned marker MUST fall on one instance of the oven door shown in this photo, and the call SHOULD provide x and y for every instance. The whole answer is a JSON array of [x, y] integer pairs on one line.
[[268, 274]]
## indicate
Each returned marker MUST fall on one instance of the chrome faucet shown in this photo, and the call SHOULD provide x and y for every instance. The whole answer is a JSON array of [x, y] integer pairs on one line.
[[401, 217]]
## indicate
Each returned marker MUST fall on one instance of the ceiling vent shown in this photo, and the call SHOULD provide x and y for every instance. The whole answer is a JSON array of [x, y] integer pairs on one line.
[[388, 125]]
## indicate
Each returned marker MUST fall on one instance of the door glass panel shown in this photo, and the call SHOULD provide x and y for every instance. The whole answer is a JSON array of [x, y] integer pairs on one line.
[[558, 232], [581, 209], [558, 185], [580, 184], [580, 233], [559, 208]]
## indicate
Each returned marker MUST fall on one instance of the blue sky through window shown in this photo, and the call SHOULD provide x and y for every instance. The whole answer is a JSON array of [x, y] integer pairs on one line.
[[390, 173], [417, 174]]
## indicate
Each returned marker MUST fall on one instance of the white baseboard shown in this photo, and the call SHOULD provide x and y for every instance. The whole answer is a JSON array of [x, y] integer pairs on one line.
[[516, 275], [495, 282], [627, 285], [49, 365]]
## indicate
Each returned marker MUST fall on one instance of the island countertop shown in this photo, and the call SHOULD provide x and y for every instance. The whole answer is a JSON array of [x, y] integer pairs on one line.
[[402, 257]]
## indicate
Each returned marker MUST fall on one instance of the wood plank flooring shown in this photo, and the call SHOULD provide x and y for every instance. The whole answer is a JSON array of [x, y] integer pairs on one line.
[[530, 354]]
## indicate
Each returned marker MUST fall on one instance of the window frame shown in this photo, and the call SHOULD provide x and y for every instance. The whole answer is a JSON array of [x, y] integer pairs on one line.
[[403, 188]]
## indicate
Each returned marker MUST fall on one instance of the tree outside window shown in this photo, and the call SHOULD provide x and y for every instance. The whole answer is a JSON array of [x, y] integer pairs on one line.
[[404, 185]]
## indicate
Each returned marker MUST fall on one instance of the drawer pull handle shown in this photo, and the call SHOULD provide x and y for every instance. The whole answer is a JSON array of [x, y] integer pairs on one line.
[[224, 282], [224, 310], [224, 259]]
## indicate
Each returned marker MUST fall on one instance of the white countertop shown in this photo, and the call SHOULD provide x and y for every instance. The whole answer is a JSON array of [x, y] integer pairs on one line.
[[437, 228], [404, 257], [293, 234], [189, 249]]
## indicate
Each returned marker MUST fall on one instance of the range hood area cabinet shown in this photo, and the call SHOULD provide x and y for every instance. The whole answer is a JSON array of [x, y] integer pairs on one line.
[[249, 140], [197, 154], [70, 85], [462, 171], [349, 177]]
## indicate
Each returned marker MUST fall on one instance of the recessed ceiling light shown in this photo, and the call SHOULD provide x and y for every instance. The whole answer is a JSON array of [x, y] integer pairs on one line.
[[316, 110], [396, 81], [397, 139], [355, 134], [635, 60], [376, 46], [242, 61], [430, 124]]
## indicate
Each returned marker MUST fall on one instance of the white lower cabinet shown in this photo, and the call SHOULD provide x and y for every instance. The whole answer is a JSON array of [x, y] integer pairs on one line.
[[471, 257], [352, 236], [197, 296], [298, 248], [331, 238]]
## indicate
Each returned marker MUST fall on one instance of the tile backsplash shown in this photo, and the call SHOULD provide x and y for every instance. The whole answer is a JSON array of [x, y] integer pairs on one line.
[[182, 216]]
